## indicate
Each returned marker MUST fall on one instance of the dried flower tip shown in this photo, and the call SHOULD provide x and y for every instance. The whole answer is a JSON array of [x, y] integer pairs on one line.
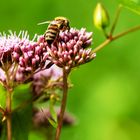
[[40, 118], [45, 77]]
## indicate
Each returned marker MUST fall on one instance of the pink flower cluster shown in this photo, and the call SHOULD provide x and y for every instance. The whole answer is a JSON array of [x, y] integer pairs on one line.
[[22, 57], [18, 51], [70, 50]]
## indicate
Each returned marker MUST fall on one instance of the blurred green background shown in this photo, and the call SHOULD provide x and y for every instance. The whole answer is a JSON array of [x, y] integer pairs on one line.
[[106, 95]]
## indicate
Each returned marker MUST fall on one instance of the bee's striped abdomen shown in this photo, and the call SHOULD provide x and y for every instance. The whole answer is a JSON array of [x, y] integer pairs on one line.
[[51, 33], [55, 26]]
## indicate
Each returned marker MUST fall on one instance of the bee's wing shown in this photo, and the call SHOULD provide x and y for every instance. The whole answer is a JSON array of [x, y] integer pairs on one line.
[[45, 22]]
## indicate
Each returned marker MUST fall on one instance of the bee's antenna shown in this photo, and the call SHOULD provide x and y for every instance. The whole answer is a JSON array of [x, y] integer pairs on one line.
[[45, 22]]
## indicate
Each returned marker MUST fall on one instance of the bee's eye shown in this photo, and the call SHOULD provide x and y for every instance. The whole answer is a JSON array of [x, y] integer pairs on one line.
[[68, 24], [61, 26]]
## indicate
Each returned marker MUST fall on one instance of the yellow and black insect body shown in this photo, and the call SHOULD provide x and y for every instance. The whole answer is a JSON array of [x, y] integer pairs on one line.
[[52, 32]]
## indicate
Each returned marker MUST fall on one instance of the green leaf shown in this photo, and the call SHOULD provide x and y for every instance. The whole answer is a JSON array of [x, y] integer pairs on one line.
[[52, 122], [21, 123], [21, 94], [3, 131], [2, 96], [53, 119], [2, 105], [22, 117], [133, 5], [52, 110]]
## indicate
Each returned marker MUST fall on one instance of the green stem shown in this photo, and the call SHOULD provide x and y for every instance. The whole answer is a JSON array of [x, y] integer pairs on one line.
[[106, 42], [111, 38], [126, 32], [63, 104], [116, 19], [105, 33]]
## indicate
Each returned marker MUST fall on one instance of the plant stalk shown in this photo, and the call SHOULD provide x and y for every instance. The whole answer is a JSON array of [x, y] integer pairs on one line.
[[111, 38], [8, 117], [106, 42], [116, 19], [133, 29], [63, 104]]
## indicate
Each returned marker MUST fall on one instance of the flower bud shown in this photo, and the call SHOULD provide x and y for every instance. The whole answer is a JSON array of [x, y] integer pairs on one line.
[[100, 17]]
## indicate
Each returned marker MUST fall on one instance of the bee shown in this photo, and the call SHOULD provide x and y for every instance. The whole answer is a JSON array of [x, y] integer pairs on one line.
[[54, 27]]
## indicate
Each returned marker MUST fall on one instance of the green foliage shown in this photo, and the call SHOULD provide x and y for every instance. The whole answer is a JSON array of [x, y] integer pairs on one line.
[[53, 113], [133, 5], [52, 122], [3, 132], [22, 117], [21, 123], [22, 112], [2, 96], [22, 93], [35, 135]]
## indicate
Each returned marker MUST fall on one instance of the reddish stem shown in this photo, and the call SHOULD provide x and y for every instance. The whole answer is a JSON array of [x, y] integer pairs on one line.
[[63, 104], [8, 117]]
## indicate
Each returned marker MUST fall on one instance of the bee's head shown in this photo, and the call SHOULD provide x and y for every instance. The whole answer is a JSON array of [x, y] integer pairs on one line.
[[64, 23]]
